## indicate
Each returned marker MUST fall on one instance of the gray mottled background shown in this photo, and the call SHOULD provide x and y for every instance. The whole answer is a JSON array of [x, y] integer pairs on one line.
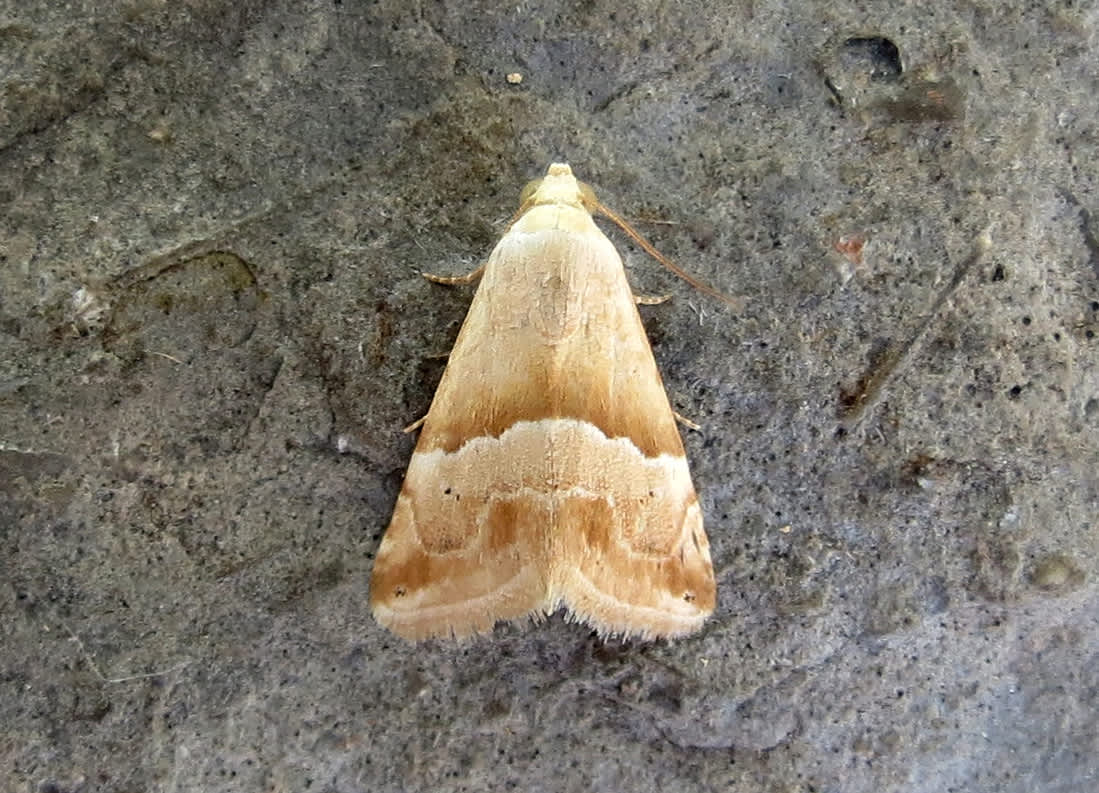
[[212, 329]]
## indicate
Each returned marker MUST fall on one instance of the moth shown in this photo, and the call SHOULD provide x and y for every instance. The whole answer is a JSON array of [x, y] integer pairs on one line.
[[549, 470]]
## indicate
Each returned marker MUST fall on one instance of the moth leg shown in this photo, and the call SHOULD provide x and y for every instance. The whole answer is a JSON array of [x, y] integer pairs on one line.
[[651, 300], [686, 422], [450, 280], [415, 425]]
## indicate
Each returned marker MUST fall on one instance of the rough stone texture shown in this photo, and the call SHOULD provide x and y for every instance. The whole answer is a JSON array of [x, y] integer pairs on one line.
[[212, 329]]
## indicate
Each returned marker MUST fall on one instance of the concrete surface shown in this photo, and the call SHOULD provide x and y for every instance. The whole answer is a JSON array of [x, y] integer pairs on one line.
[[212, 329]]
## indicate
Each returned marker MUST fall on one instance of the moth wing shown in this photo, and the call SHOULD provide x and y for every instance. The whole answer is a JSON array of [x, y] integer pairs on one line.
[[549, 469], [456, 557], [467, 545], [628, 552]]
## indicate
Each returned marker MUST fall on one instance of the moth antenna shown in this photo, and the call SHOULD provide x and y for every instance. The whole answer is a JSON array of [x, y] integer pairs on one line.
[[648, 247]]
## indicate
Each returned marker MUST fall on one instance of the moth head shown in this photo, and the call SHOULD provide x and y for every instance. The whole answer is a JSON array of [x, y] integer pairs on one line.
[[558, 186]]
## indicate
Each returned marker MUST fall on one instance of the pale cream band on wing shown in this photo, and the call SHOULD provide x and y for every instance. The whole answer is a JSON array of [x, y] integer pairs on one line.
[[550, 513]]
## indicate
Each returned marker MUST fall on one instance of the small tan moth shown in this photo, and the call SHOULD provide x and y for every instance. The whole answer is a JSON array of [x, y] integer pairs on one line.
[[549, 470]]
